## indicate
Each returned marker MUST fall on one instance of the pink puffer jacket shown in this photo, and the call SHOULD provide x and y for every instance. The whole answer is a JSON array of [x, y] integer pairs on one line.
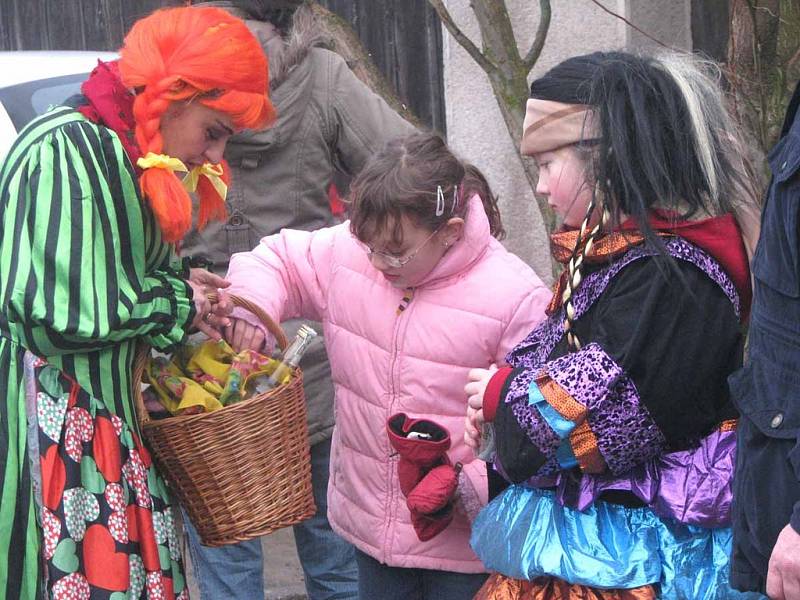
[[473, 307]]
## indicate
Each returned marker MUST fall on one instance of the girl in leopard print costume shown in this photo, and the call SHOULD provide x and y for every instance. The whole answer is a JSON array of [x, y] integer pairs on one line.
[[612, 421]]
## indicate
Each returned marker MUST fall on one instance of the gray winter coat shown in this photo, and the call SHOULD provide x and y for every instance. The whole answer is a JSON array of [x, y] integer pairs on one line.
[[327, 120]]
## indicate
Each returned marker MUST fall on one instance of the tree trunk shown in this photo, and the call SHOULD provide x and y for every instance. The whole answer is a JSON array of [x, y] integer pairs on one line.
[[509, 81], [762, 65], [512, 108], [345, 42]]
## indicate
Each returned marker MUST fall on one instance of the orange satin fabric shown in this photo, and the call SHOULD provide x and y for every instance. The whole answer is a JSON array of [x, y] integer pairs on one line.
[[500, 587], [582, 438]]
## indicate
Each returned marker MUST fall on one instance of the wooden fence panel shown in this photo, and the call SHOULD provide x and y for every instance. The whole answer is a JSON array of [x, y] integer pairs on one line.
[[105, 26], [64, 28], [26, 23]]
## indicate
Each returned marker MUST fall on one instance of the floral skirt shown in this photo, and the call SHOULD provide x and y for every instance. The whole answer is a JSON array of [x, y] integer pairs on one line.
[[108, 529]]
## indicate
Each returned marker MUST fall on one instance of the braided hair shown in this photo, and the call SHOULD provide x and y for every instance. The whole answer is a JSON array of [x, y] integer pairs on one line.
[[582, 248]]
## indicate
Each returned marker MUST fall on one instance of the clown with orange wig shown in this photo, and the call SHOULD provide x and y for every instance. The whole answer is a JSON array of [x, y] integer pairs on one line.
[[94, 198]]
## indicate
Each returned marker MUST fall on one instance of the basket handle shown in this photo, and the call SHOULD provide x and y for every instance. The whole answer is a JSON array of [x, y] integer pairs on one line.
[[266, 320], [143, 350]]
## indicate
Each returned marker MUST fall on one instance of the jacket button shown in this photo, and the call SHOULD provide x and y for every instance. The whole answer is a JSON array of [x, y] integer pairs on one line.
[[250, 161], [776, 421]]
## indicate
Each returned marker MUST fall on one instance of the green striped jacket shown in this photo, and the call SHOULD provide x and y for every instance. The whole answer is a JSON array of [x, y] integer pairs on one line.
[[84, 276]]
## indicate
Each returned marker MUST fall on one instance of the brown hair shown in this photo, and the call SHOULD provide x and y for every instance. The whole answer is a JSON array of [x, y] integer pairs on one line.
[[403, 179]]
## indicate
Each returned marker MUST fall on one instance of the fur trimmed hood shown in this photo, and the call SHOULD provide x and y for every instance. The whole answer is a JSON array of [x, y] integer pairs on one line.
[[284, 53]]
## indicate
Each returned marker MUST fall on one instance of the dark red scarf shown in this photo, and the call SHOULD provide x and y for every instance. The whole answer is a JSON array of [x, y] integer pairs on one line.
[[718, 236], [110, 103]]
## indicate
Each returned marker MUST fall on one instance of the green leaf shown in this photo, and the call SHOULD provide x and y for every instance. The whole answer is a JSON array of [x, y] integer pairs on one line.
[[164, 557], [50, 382], [178, 583], [152, 483]]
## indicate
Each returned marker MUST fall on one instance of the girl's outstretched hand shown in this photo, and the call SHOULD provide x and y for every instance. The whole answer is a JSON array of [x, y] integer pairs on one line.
[[242, 335], [210, 318], [206, 278], [472, 428], [475, 388]]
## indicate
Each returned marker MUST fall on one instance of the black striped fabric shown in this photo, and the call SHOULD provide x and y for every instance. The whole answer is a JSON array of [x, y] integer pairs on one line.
[[84, 276]]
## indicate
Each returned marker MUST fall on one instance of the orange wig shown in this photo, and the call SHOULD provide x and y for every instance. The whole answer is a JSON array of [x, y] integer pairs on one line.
[[200, 53]]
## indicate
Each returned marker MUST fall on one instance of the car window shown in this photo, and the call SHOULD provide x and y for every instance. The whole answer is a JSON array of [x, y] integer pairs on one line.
[[8, 133], [25, 101]]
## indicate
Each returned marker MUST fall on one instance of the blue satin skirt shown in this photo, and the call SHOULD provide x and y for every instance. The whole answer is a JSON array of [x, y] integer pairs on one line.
[[525, 533]]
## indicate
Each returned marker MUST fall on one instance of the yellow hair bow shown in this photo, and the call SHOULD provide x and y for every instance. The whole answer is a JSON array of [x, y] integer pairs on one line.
[[214, 175], [161, 161]]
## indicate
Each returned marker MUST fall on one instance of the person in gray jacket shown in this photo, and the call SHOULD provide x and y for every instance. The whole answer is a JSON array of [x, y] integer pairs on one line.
[[328, 121]]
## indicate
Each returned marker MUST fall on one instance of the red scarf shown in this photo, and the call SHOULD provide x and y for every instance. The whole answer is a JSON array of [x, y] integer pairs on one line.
[[718, 236], [110, 104]]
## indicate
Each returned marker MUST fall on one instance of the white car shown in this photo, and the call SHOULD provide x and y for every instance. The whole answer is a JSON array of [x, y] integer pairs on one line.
[[33, 81]]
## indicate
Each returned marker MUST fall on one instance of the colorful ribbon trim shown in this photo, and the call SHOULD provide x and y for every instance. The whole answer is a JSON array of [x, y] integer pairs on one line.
[[554, 419], [561, 426], [567, 418]]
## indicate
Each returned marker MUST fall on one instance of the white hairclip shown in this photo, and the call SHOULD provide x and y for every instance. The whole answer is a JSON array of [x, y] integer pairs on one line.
[[455, 199], [439, 201]]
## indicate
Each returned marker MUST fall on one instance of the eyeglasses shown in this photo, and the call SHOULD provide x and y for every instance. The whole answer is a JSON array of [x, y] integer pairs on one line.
[[396, 262]]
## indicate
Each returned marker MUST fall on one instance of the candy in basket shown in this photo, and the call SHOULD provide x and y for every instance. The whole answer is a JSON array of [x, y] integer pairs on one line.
[[206, 377]]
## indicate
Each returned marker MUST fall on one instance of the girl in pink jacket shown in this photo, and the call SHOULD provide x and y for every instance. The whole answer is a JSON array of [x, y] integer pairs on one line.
[[412, 293]]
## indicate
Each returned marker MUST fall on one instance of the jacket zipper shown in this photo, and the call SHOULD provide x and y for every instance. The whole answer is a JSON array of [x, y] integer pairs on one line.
[[391, 505]]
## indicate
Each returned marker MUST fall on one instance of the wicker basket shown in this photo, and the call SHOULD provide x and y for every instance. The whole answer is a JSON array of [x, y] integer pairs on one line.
[[242, 471]]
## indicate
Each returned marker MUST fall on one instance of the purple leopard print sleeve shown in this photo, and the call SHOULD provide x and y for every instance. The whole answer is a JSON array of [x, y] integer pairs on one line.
[[536, 428], [626, 433], [529, 419]]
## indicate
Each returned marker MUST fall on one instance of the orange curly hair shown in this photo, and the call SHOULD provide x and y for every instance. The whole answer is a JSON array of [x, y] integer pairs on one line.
[[191, 52]]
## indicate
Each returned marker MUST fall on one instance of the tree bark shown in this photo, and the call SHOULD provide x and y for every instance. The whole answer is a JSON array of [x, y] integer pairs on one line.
[[507, 71], [762, 63], [344, 41]]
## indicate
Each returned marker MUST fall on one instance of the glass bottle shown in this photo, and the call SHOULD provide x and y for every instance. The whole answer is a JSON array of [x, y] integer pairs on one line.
[[291, 358], [487, 448]]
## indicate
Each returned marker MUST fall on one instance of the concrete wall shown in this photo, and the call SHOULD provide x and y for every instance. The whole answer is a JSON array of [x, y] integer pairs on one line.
[[475, 127]]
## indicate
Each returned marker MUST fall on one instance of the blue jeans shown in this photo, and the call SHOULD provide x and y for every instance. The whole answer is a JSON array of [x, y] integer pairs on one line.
[[236, 571], [377, 581]]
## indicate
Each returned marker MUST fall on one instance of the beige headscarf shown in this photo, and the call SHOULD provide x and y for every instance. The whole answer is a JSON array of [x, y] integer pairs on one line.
[[552, 125]]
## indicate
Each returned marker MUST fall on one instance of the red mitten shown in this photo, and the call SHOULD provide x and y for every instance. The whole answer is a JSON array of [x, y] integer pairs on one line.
[[421, 444], [429, 526], [431, 501], [427, 479], [435, 491]]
